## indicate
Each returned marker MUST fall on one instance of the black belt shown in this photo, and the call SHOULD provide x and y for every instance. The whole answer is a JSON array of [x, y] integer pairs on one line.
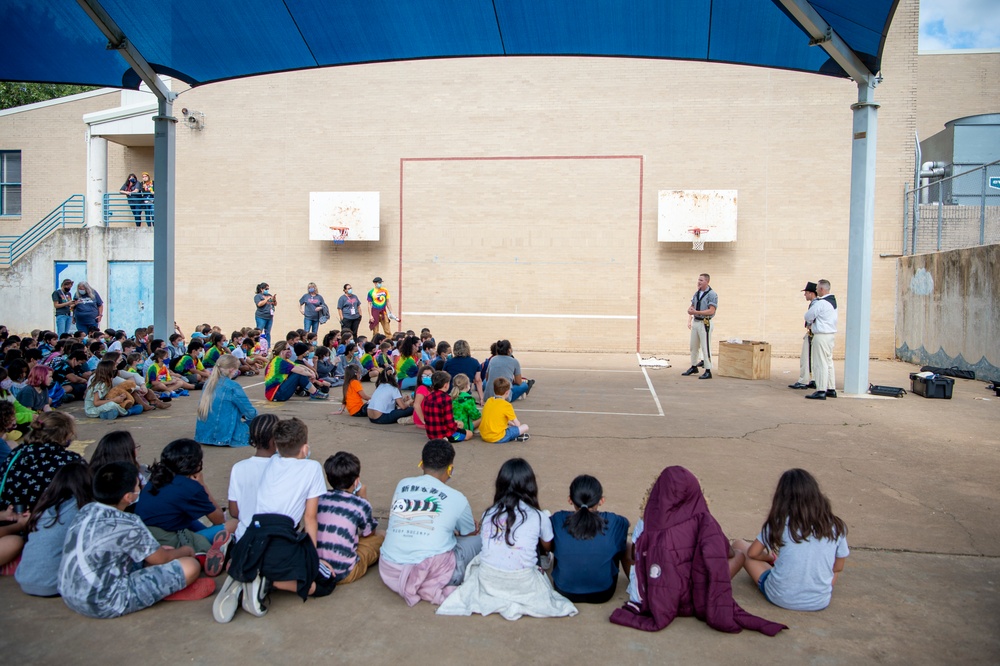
[[702, 318]]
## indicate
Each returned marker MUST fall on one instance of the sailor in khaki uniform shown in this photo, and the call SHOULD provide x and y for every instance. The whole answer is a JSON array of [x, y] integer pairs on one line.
[[704, 303]]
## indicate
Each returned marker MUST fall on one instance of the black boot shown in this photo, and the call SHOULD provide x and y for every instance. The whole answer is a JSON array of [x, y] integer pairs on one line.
[[706, 375], [690, 371]]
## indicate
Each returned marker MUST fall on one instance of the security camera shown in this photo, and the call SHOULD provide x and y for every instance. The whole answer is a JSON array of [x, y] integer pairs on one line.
[[191, 119]]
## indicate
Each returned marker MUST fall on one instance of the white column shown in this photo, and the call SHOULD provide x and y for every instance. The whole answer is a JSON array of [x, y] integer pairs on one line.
[[97, 179], [164, 145], [861, 241]]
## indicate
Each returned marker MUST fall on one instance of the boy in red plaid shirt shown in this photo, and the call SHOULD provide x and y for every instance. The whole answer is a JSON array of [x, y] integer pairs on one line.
[[438, 416]]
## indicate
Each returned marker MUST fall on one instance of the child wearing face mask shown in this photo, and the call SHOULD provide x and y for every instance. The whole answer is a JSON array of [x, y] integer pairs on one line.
[[224, 411], [190, 366], [423, 390]]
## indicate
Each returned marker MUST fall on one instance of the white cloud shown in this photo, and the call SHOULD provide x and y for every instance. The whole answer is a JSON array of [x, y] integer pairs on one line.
[[959, 24]]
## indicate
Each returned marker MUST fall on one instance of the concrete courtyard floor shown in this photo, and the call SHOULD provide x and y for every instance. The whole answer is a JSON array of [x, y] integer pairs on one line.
[[916, 480]]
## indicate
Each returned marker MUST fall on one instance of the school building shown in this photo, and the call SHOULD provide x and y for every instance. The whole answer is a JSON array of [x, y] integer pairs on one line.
[[518, 196]]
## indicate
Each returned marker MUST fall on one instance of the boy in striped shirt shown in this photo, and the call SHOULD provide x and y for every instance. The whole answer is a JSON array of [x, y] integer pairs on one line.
[[346, 536]]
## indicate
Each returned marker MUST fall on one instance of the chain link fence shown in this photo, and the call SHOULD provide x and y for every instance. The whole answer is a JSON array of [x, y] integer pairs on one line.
[[962, 210]]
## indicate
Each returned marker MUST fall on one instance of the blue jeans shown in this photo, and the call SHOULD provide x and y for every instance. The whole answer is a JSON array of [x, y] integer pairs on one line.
[[63, 323], [512, 433], [287, 388], [86, 325], [391, 417], [517, 390], [311, 325], [264, 325]]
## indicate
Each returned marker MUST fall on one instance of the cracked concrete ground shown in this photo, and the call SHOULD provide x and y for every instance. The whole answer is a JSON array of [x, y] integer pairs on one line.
[[916, 481]]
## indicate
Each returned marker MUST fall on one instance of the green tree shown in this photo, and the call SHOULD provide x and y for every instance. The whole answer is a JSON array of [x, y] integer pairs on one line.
[[18, 94]]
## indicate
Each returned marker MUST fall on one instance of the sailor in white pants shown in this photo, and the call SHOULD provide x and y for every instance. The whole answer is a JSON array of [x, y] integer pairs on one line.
[[805, 358], [704, 303], [822, 321]]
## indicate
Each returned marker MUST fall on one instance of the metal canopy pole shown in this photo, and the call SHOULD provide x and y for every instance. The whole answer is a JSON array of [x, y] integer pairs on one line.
[[861, 245], [163, 167], [862, 225]]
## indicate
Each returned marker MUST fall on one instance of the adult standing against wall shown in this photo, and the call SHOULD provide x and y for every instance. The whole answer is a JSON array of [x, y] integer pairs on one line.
[[822, 321], [704, 304], [381, 309], [89, 308], [265, 302], [63, 302], [805, 358], [311, 306], [349, 310], [131, 190]]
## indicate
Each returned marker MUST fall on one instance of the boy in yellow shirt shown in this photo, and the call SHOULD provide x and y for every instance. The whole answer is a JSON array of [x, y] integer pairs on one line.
[[499, 423]]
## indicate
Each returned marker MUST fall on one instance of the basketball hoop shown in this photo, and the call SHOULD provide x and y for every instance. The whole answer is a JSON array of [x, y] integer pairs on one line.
[[339, 234], [698, 243]]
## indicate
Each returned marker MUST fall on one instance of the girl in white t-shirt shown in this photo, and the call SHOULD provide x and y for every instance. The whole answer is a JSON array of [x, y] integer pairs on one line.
[[801, 547], [505, 577], [514, 528]]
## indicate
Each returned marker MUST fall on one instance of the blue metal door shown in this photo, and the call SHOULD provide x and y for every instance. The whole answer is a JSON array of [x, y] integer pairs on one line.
[[130, 295]]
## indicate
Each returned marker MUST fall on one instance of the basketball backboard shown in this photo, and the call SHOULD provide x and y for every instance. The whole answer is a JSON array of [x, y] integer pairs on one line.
[[344, 216], [713, 212]]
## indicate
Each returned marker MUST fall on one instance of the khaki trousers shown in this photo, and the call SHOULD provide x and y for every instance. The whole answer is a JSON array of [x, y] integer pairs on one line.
[[368, 548], [701, 341], [822, 360], [804, 361]]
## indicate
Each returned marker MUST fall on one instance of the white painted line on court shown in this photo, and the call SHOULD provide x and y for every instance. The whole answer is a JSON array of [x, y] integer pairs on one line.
[[517, 314], [574, 411], [252, 385], [640, 389], [649, 383]]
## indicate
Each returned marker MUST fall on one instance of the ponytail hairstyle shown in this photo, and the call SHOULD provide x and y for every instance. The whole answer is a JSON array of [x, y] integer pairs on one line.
[[459, 384], [105, 373], [51, 428], [586, 523], [278, 347], [216, 341], [801, 505], [225, 365], [515, 484], [72, 481], [181, 457], [350, 374], [503, 348], [262, 431], [386, 375]]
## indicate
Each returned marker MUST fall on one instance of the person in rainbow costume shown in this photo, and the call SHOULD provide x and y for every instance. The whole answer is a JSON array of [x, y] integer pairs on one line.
[[381, 311]]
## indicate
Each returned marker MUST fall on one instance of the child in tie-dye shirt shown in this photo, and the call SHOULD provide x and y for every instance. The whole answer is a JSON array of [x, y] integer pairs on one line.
[[159, 379]]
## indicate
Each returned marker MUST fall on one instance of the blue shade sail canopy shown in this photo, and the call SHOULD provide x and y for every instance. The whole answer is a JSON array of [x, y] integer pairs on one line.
[[55, 41]]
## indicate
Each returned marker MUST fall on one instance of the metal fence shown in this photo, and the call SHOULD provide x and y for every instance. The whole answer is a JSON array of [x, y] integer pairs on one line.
[[962, 210], [119, 208], [67, 214]]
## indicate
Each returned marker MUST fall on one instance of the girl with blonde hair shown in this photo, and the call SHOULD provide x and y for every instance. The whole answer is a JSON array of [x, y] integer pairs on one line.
[[224, 412]]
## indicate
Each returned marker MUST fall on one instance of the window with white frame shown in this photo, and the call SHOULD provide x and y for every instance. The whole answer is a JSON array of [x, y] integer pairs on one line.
[[10, 182]]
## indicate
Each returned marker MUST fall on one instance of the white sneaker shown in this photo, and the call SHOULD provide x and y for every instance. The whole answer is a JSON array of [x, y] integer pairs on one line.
[[406, 420], [227, 601], [254, 594]]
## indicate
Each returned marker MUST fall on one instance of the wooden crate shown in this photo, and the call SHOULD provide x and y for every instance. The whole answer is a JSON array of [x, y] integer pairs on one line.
[[746, 360]]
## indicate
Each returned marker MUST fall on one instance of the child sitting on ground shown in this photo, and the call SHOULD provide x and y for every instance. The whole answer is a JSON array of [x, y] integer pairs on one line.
[[355, 399], [248, 366], [245, 475], [684, 563], [463, 405], [588, 545], [499, 423], [346, 535], [438, 417], [176, 498], [810, 543], [272, 553], [96, 403], [424, 382], [38, 572], [190, 366], [505, 578], [97, 575], [159, 379]]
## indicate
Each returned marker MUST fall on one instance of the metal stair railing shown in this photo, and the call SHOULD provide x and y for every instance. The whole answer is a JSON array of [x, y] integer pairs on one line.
[[69, 213]]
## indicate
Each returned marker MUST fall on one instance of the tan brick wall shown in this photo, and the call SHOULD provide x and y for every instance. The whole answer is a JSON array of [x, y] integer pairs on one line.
[[52, 141], [782, 139], [954, 85]]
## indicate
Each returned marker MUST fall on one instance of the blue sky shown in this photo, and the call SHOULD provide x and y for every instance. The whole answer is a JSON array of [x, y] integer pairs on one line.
[[959, 24]]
